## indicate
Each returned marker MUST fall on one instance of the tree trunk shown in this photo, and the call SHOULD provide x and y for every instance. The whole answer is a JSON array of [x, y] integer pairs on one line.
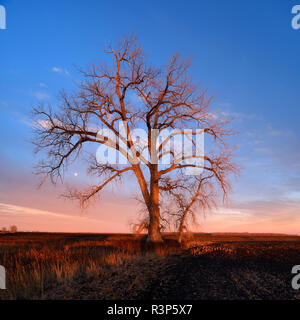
[[180, 233], [154, 234]]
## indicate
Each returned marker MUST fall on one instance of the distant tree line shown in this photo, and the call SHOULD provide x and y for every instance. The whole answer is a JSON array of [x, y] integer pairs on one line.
[[12, 229]]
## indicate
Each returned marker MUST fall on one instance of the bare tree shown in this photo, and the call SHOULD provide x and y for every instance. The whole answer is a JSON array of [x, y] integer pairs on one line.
[[133, 92], [13, 229]]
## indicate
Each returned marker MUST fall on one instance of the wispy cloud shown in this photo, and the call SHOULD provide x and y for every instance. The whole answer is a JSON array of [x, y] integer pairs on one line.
[[32, 219], [41, 95], [60, 70], [240, 116], [256, 216], [7, 208], [277, 132], [263, 150]]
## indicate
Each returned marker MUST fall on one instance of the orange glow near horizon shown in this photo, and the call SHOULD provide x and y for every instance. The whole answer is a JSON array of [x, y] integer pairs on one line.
[[42, 209], [115, 218]]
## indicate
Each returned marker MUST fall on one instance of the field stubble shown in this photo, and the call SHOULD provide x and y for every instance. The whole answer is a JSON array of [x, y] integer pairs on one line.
[[74, 266]]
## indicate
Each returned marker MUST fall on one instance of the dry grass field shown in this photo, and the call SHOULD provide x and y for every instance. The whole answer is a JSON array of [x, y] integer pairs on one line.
[[119, 266]]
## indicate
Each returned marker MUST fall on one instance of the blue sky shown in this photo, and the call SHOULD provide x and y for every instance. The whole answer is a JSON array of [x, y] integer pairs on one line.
[[245, 52]]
